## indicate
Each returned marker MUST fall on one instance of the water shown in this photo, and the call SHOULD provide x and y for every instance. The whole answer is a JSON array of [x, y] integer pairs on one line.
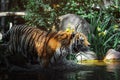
[[99, 71]]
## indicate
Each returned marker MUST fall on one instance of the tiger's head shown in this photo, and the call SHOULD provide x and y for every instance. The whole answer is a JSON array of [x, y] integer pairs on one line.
[[75, 40], [80, 43]]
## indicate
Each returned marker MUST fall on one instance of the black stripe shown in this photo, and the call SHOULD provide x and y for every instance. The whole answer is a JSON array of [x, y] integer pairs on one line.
[[28, 39], [39, 36], [55, 60], [60, 52]]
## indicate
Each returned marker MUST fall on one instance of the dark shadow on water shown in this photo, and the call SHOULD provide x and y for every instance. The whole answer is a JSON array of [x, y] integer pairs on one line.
[[109, 72]]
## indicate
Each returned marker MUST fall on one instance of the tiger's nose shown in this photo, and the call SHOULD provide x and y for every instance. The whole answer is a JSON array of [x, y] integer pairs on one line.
[[89, 45]]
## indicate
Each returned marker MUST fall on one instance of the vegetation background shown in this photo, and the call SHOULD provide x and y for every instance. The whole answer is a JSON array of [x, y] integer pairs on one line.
[[103, 15]]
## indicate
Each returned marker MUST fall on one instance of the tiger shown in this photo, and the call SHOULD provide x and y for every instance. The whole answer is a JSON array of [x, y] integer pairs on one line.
[[44, 47]]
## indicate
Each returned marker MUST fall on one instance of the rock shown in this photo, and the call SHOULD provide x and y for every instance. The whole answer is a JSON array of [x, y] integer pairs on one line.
[[112, 55], [72, 21], [88, 55]]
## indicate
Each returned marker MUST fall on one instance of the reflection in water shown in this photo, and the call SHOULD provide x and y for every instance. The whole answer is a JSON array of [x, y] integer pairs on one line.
[[109, 72], [114, 68]]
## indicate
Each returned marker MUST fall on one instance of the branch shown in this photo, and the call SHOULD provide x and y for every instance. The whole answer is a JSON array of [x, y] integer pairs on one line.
[[12, 14]]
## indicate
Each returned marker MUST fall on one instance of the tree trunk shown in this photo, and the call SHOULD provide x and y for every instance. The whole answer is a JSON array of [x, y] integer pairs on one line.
[[2, 18]]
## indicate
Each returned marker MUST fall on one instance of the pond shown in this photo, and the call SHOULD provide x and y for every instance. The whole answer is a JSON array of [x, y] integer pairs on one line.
[[101, 71]]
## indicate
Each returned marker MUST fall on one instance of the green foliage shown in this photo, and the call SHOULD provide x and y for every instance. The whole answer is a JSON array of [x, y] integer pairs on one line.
[[44, 12], [105, 30], [40, 13], [17, 5], [105, 35]]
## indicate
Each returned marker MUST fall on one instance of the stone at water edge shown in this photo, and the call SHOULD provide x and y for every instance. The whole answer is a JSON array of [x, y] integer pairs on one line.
[[112, 55], [89, 55]]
